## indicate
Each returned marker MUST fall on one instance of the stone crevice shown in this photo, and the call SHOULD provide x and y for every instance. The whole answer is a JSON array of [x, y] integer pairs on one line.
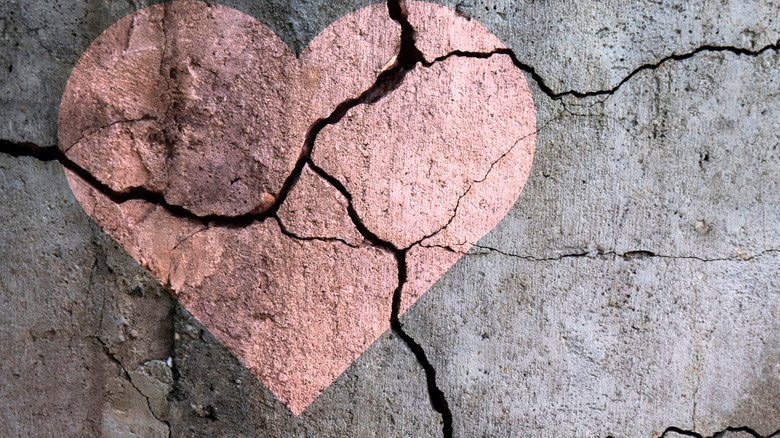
[[50, 153], [406, 60], [387, 81], [29, 149], [409, 56], [106, 349], [295, 236], [557, 95], [722, 433], [438, 400]]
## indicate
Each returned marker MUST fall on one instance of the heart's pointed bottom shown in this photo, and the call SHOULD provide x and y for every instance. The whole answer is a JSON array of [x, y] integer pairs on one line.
[[185, 113], [295, 329]]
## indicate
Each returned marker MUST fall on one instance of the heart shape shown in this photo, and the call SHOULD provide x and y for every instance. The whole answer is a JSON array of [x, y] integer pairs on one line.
[[279, 206]]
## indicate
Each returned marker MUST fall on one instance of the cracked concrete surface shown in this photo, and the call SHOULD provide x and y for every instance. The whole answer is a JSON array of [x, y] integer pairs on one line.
[[631, 291], [171, 189]]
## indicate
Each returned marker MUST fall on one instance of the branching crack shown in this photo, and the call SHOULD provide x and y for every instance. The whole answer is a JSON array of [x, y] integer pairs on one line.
[[390, 79], [409, 56], [482, 179], [129, 378], [552, 94], [406, 60]]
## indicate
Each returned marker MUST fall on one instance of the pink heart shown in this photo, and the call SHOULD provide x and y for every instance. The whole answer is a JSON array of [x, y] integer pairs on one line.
[[182, 123]]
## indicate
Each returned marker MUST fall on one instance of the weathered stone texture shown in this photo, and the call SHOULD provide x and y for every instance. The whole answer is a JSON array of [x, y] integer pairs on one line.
[[381, 394], [205, 106], [633, 287], [75, 307]]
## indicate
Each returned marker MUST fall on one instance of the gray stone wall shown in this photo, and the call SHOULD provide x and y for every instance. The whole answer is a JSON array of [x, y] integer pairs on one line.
[[633, 290]]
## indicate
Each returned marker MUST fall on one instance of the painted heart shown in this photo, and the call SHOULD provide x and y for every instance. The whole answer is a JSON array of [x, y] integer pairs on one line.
[[285, 201]]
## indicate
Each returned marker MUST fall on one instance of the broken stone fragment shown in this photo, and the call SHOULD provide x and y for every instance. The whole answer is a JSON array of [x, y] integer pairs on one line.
[[154, 380], [315, 209], [127, 411]]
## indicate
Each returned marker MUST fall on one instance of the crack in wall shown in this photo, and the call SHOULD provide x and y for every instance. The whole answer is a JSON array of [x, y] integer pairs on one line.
[[720, 433], [107, 350], [386, 82], [389, 80], [100, 255], [295, 236], [552, 94], [50, 152], [29, 149], [482, 179], [406, 60], [634, 254]]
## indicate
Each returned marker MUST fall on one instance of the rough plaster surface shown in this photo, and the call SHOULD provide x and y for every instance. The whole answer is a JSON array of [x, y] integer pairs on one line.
[[632, 291]]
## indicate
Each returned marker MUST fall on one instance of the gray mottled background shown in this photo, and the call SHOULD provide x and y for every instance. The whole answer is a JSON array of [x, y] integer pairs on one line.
[[633, 291]]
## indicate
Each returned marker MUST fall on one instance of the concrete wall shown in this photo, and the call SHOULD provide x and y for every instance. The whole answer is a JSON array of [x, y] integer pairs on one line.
[[632, 291]]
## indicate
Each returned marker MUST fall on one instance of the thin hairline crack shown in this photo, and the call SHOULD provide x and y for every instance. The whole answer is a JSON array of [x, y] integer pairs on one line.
[[633, 254], [480, 180]]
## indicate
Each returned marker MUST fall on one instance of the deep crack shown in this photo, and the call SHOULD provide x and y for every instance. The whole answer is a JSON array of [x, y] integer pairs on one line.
[[552, 94], [387, 81], [719, 434], [408, 57], [29, 149]]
